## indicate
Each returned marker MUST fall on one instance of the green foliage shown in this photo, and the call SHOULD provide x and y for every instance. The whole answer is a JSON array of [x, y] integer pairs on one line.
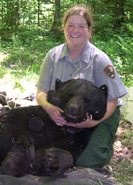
[[119, 49], [123, 172], [20, 58], [25, 58], [26, 51], [30, 36], [19, 86]]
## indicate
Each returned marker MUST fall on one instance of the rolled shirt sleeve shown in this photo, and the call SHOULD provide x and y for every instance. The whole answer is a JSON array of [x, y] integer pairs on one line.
[[46, 71], [105, 73]]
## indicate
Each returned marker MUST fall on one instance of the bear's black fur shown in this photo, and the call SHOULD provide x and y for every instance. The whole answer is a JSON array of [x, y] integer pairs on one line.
[[77, 98]]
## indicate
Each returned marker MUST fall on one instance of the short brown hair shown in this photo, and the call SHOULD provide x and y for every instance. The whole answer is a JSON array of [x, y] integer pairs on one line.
[[79, 10]]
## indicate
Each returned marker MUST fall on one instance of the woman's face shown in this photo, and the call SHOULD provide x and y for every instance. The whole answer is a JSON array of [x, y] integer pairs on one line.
[[76, 31]]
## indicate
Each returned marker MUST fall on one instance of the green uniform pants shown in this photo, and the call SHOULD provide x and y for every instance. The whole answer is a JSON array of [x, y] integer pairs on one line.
[[99, 149]]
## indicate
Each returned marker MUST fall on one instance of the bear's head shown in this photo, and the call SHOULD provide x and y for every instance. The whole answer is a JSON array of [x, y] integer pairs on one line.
[[79, 98]]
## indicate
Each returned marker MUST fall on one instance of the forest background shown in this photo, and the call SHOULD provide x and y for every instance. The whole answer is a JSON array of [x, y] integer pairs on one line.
[[29, 28]]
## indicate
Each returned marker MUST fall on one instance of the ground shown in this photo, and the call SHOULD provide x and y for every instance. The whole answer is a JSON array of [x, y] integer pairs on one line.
[[122, 161]]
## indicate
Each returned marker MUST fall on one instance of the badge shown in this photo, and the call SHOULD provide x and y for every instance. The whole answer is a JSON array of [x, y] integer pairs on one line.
[[109, 70]]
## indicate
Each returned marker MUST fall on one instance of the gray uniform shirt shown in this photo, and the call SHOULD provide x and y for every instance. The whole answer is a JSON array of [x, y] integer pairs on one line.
[[92, 64]]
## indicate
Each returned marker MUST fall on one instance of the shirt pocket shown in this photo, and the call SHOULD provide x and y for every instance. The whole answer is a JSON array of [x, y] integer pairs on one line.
[[58, 73]]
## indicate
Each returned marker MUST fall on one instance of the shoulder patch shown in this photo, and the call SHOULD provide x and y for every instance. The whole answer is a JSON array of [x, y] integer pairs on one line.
[[109, 70]]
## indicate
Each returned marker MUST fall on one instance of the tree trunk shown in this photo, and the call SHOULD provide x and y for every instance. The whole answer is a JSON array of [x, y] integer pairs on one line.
[[57, 19], [119, 13]]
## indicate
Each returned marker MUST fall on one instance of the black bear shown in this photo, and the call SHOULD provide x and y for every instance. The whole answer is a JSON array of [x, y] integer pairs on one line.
[[28, 132]]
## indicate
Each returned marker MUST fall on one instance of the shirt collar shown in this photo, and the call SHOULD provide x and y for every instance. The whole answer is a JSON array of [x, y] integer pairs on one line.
[[85, 55], [64, 52], [86, 52]]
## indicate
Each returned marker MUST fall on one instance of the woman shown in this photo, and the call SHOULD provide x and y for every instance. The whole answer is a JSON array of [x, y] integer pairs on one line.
[[78, 58]]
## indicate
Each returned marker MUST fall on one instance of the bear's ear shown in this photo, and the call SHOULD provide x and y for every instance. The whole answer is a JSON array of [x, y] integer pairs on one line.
[[104, 88], [58, 84]]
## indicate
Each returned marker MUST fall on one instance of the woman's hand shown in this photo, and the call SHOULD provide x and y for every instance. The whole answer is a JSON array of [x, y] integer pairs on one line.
[[53, 111], [55, 114], [88, 123]]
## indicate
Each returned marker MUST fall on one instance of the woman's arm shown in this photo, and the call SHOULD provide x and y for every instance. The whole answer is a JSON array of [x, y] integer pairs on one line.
[[53, 111], [111, 106]]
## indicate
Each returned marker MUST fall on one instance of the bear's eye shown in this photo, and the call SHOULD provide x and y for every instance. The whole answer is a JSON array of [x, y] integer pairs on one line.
[[86, 99]]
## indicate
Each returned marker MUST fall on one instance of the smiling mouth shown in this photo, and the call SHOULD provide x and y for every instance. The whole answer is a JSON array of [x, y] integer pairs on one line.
[[74, 36]]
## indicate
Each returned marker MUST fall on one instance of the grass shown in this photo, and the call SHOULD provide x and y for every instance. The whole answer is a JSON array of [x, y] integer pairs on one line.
[[122, 161], [123, 172]]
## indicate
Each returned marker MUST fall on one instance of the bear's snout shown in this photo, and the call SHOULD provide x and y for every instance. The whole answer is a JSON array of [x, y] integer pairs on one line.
[[75, 110]]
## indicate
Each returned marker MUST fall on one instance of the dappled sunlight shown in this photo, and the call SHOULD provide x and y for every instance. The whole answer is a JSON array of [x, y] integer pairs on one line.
[[18, 88], [3, 56]]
